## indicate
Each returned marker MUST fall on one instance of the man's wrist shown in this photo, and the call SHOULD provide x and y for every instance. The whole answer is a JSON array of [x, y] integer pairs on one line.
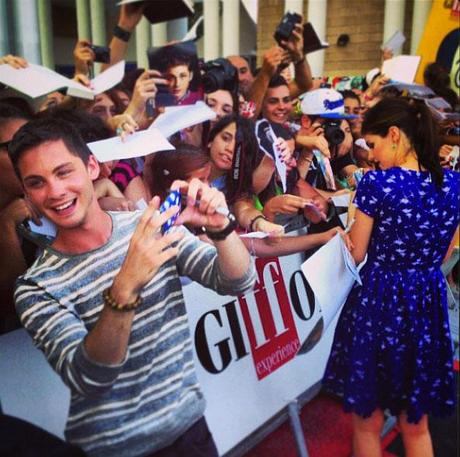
[[219, 234], [121, 292]]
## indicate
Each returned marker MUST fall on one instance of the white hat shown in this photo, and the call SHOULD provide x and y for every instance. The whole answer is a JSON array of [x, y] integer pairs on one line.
[[327, 103], [371, 75]]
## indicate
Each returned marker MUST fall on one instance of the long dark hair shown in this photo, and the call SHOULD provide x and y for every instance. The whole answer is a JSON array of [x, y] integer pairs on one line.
[[416, 121], [238, 180], [164, 167]]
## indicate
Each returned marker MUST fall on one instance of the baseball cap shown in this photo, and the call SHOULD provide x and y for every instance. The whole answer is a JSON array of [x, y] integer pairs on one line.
[[371, 75], [326, 103]]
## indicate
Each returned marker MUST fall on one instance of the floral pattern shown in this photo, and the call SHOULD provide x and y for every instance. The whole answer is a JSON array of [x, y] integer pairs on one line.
[[392, 346]]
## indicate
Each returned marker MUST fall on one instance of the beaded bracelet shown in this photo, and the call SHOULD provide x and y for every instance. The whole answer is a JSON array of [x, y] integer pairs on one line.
[[112, 304]]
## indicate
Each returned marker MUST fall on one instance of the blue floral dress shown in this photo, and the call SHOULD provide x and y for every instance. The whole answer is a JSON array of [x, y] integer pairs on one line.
[[392, 346]]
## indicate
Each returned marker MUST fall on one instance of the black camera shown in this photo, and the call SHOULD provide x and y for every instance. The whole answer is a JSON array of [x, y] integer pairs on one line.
[[219, 74], [101, 53], [332, 132], [454, 131], [286, 26]]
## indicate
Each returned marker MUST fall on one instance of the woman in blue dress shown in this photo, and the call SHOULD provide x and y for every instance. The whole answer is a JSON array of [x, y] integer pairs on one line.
[[392, 347]]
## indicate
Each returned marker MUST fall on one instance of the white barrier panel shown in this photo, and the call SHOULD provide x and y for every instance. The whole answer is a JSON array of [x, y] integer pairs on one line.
[[244, 355], [245, 348]]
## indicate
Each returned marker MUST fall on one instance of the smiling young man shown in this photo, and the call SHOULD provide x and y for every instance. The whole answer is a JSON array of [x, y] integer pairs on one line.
[[105, 305], [277, 104]]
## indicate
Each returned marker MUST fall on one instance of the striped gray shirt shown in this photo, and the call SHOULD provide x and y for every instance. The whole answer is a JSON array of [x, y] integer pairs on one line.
[[147, 401]]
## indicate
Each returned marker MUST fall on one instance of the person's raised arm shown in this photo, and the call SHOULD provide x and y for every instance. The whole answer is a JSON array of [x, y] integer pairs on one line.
[[205, 208], [130, 16], [148, 250], [303, 80], [271, 61], [83, 57], [253, 220]]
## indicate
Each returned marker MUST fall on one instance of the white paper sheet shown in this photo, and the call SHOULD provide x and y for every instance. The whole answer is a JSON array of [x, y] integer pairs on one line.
[[258, 235], [191, 35], [176, 118], [36, 81], [136, 145], [361, 143], [329, 266], [102, 82], [416, 90], [401, 68], [141, 204], [33, 81], [395, 41]]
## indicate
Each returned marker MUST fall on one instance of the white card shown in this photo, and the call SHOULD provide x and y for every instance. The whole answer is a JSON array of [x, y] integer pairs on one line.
[[136, 145], [141, 204], [176, 118], [258, 235], [191, 35], [33, 81], [401, 68], [394, 42], [102, 82]]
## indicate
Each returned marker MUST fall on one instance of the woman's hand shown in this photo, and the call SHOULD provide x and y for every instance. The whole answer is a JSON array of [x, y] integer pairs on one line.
[[83, 57], [123, 125], [144, 89], [285, 153], [284, 204], [14, 61]]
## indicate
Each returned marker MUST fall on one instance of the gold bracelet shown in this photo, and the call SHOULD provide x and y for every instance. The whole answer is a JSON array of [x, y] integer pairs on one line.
[[112, 304]]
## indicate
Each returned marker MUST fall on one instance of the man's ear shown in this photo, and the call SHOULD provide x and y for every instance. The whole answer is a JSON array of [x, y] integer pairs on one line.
[[190, 77], [93, 167]]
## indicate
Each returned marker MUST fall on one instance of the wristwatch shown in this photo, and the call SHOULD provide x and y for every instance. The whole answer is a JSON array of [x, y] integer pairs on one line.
[[222, 234]]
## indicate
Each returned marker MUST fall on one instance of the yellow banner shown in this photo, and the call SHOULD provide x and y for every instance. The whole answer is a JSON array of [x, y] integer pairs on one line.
[[440, 40]]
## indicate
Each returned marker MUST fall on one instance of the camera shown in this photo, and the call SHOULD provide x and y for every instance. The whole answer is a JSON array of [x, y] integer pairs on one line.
[[286, 26], [332, 132], [454, 131], [101, 53], [219, 74]]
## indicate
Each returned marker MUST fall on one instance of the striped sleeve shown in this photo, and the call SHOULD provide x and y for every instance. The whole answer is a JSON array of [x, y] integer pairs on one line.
[[198, 261], [59, 333]]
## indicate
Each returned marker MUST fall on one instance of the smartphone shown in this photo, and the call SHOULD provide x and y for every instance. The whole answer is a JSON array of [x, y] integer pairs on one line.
[[101, 53], [173, 199]]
